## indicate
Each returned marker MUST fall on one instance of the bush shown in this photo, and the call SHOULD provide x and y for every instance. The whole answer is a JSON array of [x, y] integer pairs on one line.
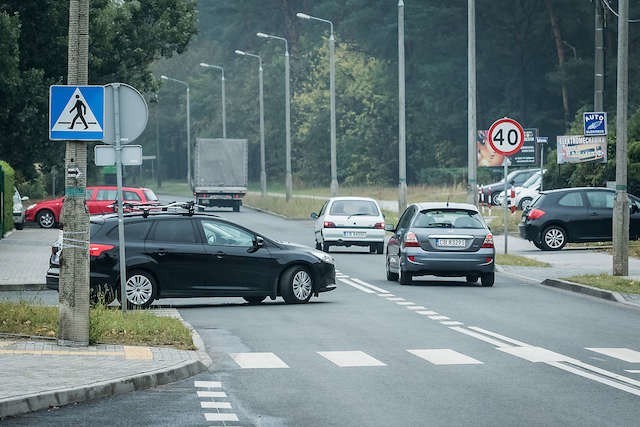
[[7, 189]]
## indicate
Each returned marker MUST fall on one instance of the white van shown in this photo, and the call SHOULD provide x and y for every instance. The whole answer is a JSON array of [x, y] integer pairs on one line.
[[18, 209]]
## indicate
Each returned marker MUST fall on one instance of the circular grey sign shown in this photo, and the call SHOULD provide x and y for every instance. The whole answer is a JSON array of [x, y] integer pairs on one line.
[[132, 111]]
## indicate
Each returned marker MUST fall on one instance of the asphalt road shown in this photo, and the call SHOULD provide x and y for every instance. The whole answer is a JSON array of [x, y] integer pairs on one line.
[[374, 353]]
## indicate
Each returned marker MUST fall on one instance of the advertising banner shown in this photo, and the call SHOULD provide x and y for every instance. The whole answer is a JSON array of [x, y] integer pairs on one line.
[[487, 157], [580, 149]]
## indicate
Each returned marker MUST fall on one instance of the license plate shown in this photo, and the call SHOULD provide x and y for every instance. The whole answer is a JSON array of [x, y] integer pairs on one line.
[[451, 243], [355, 234]]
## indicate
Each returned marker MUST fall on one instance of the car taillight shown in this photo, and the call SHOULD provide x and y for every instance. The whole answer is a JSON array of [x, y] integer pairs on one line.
[[379, 225], [329, 224], [535, 213], [96, 249], [488, 241], [411, 240]]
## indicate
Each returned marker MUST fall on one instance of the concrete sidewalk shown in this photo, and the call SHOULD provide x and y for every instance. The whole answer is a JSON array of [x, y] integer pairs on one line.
[[51, 375]]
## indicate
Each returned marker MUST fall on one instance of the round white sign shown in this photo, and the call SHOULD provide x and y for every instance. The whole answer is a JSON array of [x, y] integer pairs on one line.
[[506, 136]]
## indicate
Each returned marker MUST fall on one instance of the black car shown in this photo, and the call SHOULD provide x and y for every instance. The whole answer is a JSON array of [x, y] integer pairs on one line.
[[515, 178], [187, 254], [569, 215]]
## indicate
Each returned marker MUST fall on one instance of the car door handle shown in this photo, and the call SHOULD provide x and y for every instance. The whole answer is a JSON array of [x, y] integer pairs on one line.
[[594, 214], [161, 252], [220, 254]]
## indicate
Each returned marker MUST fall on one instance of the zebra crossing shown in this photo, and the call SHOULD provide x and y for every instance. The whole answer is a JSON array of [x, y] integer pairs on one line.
[[213, 390]]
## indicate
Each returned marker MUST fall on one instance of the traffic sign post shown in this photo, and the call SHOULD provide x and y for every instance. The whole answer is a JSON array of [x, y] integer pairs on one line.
[[506, 137]]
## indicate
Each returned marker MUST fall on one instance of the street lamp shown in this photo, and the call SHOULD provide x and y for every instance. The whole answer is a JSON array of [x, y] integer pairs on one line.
[[288, 178], [224, 112], [188, 126], [332, 88], [263, 172]]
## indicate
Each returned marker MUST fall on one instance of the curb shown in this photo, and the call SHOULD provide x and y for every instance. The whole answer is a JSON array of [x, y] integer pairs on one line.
[[24, 287], [589, 290]]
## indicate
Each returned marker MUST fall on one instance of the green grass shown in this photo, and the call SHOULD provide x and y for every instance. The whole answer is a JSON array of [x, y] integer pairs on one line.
[[520, 261], [608, 282], [106, 325]]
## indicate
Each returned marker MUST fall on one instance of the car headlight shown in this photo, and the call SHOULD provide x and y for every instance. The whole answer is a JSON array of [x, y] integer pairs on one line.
[[323, 256]]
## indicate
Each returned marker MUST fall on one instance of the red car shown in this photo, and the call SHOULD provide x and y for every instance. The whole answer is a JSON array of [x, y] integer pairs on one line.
[[99, 200]]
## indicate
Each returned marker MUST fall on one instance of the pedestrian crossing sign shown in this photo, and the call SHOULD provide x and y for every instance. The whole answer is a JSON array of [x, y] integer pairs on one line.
[[76, 113]]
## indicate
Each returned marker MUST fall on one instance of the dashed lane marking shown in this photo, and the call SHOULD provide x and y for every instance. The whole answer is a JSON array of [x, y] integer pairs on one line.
[[416, 307], [444, 356], [220, 417], [439, 317], [405, 303], [258, 360], [350, 359], [370, 286], [625, 354], [215, 405], [207, 384], [357, 286], [212, 394], [427, 312]]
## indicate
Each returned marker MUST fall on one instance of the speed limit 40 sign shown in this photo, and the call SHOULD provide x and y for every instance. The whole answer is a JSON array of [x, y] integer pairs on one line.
[[506, 136]]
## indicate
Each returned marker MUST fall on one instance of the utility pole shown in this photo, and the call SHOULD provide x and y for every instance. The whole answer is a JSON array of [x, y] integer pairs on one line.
[[402, 152], [472, 151], [621, 207], [73, 321], [598, 78]]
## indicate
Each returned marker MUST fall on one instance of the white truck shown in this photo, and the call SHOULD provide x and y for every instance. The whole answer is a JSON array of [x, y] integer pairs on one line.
[[220, 172]]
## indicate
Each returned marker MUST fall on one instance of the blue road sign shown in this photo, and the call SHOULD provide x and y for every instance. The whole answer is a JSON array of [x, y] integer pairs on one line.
[[595, 124], [76, 113]]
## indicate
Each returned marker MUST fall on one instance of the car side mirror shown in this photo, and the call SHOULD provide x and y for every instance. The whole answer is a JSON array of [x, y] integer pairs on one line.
[[258, 242], [314, 215], [634, 208], [390, 227], [25, 198]]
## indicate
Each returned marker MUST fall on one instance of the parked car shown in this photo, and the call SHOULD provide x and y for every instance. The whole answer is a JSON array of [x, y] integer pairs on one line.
[[515, 178], [187, 254], [568, 215], [441, 239], [18, 209], [349, 221], [100, 200], [525, 194]]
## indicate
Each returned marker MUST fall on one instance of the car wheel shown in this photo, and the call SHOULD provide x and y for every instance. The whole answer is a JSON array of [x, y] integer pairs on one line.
[[103, 296], [141, 289], [45, 219], [472, 278], [537, 244], [380, 248], [494, 198], [325, 247], [487, 279], [236, 207], [296, 285], [254, 300], [405, 277], [19, 226], [525, 203], [391, 276], [553, 238], [318, 246]]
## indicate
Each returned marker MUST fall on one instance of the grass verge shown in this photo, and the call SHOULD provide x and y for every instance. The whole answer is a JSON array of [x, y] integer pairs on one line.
[[608, 282], [520, 261], [106, 325]]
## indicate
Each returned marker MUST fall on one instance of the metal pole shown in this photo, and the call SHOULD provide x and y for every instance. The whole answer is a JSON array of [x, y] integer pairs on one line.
[[472, 156], [158, 178], [288, 176], [541, 165], [332, 88], [118, 148], [188, 139], [263, 173], [598, 84], [224, 107], [402, 154], [621, 207], [506, 204]]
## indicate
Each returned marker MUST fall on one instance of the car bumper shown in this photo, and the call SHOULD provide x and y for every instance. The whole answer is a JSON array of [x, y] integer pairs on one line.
[[96, 281], [356, 236], [18, 218], [325, 277], [450, 263], [528, 232]]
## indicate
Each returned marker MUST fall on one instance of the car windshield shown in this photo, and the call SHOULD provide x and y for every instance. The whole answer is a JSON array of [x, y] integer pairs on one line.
[[532, 181], [354, 207], [150, 195], [448, 218]]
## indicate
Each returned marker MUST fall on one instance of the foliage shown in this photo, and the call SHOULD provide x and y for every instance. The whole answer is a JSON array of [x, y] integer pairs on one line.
[[7, 185], [521, 261], [106, 325], [608, 282]]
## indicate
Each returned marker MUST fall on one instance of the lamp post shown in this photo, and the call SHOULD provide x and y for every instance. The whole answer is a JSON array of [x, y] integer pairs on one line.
[[402, 153], [332, 89], [263, 172], [224, 111], [188, 126], [288, 178]]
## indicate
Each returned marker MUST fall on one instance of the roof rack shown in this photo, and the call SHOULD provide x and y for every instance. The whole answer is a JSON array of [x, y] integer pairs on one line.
[[190, 207]]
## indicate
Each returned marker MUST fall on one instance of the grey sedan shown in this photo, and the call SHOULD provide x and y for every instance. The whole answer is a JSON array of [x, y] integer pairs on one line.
[[441, 239]]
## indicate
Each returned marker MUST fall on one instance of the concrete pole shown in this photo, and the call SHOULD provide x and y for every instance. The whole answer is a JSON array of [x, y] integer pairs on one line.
[[73, 320], [224, 106], [472, 150], [332, 89], [621, 207], [263, 173], [188, 139], [402, 153], [288, 176], [598, 84]]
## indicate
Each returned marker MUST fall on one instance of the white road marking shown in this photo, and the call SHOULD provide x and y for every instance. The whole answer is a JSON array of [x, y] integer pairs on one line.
[[593, 377], [438, 317], [214, 394], [355, 285], [603, 372], [396, 299], [350, 358], [625, 354], [386, 295], [221, 417], [427, 312], [633, 371], [209, 384], [536, 354], [258, 360], [404, 303], [444, 356], [451, 323], [215, 405], [479, 336], [369, 285], [501, 337], [416, 307]]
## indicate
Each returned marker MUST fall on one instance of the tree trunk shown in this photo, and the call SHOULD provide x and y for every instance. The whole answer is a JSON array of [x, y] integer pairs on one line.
[[561, 58]]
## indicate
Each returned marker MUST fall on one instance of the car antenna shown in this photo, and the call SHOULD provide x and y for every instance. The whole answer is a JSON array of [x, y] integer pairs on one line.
[[448, 199]]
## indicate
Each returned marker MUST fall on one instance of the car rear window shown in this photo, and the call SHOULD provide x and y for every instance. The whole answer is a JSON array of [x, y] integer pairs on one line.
[[133, 231], [448, 218], [150, 195], [94, 227], [354, 207]]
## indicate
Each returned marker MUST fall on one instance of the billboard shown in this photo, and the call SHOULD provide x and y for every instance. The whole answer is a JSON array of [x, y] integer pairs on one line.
[[580, 149], [487, 157]]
